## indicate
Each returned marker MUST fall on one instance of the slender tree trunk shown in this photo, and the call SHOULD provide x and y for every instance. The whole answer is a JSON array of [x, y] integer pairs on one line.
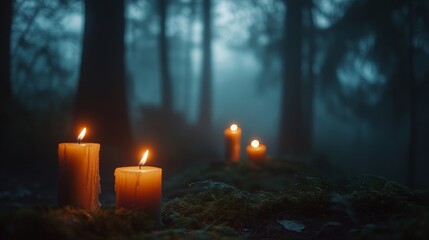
[[412, 103], [5, 82], [291, 122], [308, 117], [164, 63], [5, 46], [101, 102], [206, 81], [188, 54]]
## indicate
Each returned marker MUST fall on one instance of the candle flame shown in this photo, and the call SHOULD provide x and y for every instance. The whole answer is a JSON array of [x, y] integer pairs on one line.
[[144, 158], [255, 143], [234, 127], [81, 135]]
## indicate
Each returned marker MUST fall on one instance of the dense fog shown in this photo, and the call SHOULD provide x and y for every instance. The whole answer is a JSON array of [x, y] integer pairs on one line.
[[341, 84]]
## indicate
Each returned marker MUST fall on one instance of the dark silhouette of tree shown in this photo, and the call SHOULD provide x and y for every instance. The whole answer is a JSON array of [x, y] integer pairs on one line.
[[387, 52], [309, 84], [5, 76], [297, 44], [269, 25], [5, 46], [205, 108], [36, 66], [412, 141], [40, 66], [291, 139], [101, 102], [390, 25], [166, 85], [188, 55]]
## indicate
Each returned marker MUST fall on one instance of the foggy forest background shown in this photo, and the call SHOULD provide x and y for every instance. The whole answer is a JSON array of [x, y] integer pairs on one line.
[[343, 84]]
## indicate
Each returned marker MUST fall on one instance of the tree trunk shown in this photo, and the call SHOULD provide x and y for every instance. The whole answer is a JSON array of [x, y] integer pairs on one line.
[[291, 116], [412, 103], [5, 45], [101, 102], [188, 54], [206, 81], [308, 117], [5, 83], [166, 92]]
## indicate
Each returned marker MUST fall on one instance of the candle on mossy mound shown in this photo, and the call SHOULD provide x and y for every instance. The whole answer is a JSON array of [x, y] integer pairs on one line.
[[232, 143], [78, 174], [139, 187], [256, 152]]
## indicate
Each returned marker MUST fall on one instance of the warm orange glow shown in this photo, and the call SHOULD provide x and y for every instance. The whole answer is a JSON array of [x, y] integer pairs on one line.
[[255, 143], [144, 158], [81, 135], [234, 127]]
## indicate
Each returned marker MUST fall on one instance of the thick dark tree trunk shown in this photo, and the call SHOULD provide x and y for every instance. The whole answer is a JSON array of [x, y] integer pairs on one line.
[[291, 139], [308, 93], [412, 103], [205, 110], [5, 82], [101, 101], [164, 63], [5, 32], [292, 128]]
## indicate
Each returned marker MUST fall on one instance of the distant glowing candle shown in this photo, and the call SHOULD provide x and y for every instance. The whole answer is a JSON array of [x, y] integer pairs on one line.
[[256, 151], [139, 187], [79, 177], [232, 143]]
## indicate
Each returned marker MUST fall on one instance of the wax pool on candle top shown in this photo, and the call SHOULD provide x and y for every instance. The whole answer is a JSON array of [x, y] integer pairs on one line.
[[139, 187], [232, 143], [79, 178], [256, 151]]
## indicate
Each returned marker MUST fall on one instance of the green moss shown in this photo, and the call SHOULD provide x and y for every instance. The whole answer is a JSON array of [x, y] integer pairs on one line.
[[71, 223], [220, 203], [212, 232], [273, 175], [235, 201], [378, 198], [34, 224]]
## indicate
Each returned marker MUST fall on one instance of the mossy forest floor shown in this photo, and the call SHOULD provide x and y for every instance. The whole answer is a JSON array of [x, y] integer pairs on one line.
[[281, 199]]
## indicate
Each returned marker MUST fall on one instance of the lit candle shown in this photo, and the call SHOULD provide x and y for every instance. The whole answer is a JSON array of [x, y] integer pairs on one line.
[[139, 187], [79, 177], [256, 151], [232, 143]]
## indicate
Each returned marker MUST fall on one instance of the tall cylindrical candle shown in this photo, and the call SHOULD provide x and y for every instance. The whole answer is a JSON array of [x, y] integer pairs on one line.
[[79, 177], [232, 143], [139, 187]]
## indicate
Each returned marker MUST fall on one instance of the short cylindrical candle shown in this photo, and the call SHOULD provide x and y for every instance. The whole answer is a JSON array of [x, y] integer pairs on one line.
[[139, 187], [232, 143], [79, 177], [256, 152]]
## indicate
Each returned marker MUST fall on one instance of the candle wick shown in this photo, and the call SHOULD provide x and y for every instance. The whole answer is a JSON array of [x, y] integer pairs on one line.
[[79, 141], [140, 166]]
